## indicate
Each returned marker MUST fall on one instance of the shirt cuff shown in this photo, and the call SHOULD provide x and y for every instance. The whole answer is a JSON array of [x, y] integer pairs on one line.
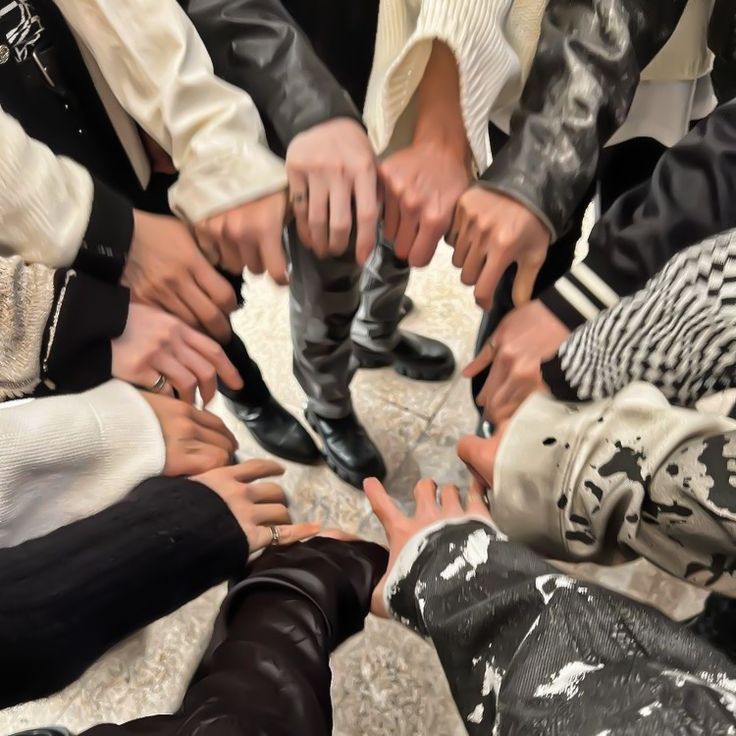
[[109, 235]]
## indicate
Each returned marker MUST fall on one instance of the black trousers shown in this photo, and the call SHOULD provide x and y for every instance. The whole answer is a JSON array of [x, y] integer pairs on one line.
[[622, 167]]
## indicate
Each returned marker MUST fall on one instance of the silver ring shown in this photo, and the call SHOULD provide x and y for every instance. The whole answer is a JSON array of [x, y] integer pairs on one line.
[[299, 197], [275, 536], [492, 345], [160, 384]]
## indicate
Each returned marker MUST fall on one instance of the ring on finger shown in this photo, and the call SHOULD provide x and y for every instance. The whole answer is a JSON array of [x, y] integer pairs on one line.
[[160, 384], [299, 198], [275, 536]]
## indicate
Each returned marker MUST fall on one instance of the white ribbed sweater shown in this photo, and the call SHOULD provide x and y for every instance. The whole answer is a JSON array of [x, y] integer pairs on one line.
[[67, 457], [493, 42]]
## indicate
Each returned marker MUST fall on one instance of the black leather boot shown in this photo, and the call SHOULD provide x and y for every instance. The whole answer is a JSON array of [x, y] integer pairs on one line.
[[275, 430], [415, 356], [348, 449], [406, 306]]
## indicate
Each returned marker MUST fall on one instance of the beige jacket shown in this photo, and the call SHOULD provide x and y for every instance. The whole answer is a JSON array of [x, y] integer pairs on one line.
[[151, 68], [630, 475]]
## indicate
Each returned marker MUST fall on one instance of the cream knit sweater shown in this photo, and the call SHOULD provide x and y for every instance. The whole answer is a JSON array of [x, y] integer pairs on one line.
[[494, 43], [65, 458]]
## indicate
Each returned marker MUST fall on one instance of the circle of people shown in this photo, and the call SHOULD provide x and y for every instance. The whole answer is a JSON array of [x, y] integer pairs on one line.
[[154, 152]]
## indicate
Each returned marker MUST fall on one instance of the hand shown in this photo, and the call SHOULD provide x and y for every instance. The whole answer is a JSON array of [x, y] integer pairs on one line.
[[329, 166], [248, 236], [157, 344], [401, 528], [479, 455], [490, 232], [196, 441], [421, 186], [160, 160], [166, 269], [527, 337], [257, 506]]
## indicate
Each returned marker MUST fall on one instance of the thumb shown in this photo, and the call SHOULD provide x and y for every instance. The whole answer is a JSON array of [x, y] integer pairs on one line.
[[526, 276], [481, 361], [478, 455], [381, 503]]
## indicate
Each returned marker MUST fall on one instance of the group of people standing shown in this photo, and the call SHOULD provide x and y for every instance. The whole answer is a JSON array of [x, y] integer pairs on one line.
[[153, 152]]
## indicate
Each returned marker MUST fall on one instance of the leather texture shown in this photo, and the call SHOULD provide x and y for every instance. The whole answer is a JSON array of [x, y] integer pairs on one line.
[[257, 46], [530, 651], [348, 449], [588, 64]]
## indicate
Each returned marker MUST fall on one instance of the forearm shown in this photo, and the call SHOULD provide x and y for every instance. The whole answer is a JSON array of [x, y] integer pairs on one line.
[[472, 33], [676, 334], [52, 447], [537, 648], [630, 475], [690, 196], [69, 596], [581, 85], [257, 46], [159, 70], [51, 341]]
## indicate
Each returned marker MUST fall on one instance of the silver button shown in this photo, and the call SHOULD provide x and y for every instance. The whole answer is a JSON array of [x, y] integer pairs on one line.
[[4, 54]]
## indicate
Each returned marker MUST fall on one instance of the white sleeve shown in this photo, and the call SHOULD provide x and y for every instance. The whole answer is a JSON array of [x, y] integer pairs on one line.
[[160, 72], [45, 200], [68, 457], [474, 32]]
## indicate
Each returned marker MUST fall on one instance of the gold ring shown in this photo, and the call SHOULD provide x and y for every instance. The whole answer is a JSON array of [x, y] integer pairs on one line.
[[275, 536], [160, 384]]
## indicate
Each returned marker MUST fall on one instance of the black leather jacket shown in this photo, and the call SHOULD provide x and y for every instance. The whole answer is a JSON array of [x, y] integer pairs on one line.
[[579, 92], [258, 46]]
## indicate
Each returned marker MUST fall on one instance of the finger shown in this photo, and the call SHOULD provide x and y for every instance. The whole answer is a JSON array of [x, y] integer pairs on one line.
[[217, 288], [476, 503], [267, 493], [261, 537], [201, 458], [481, 361], [341, 217], [496, 378], [407, 232], [212, 437], [215, 355], [273, 256], [466, 231], [270, 513], [299, 198], [391, 216], [208, 245], [172, 304], [366, 214], [149, 378], [526, 277], [208, 314], [202, 369], [428, 238], [474, 261], [211, 421], [253, 470], [487, 283], [450, 497], [383, 506], [319, 204], [339, 535], [182, 379], [425, 494], [477, 454]]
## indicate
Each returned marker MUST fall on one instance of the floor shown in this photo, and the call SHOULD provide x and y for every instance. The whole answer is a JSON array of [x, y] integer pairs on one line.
[[387, 680]]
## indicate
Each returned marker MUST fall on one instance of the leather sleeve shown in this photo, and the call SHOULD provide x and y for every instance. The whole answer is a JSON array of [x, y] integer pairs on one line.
[[527, 650], [580, 88], [267, 669], [257, 46], [690, 197]]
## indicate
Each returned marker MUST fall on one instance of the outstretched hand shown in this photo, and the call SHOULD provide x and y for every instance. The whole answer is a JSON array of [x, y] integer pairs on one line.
[[400, 528]]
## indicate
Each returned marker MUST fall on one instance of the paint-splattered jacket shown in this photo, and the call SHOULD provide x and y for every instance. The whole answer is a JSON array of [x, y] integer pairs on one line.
[[529, 651], [630, 474]]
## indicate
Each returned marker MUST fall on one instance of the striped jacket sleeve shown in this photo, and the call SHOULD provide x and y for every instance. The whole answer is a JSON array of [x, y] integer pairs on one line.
[[689, 197], [678, 333]]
